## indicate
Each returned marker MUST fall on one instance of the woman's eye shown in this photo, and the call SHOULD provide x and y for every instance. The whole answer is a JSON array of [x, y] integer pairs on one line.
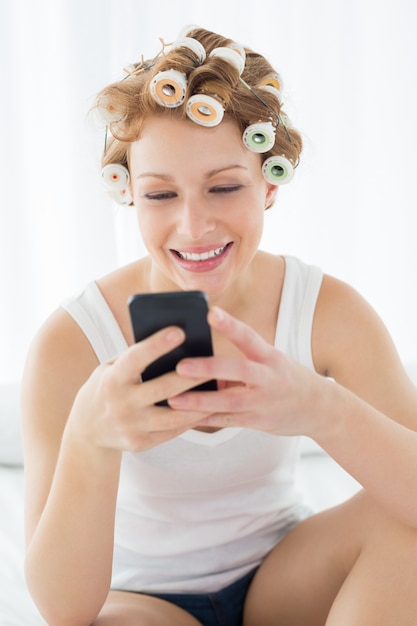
[[226, 188], [160, 195]]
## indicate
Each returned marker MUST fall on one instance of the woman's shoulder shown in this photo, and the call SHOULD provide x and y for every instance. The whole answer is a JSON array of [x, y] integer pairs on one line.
[[59, 351], [347, 329], [117, 287]]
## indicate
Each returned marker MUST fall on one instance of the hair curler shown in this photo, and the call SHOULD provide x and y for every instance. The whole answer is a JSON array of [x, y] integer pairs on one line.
[[121, 196], [259, 137], [204, 110], [273, 81], [277, 170], [168, 88], [232, 55], [192, 44], [107, 112], [116, 180]]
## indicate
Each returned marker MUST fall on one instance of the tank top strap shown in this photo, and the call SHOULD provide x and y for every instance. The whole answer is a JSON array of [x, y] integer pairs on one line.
[[95, 318], [300, 291]]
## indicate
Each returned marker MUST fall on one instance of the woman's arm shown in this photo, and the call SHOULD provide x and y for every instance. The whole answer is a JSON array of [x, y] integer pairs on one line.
[[374, 427], [366, 419], [78, 416], [69, 485]]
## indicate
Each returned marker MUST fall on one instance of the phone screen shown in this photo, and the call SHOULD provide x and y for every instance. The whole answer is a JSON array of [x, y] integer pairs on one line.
[[186, 309]]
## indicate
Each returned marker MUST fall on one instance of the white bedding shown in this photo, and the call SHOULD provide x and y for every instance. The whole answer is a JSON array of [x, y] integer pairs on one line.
[[323, 481]]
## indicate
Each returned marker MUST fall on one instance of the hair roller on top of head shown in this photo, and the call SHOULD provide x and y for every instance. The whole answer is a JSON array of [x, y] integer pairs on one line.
[[232, 55], [285, 120], [272, 90], [193, 45], [204, 110], [237, 47], [273, 81], [168, 88], [186, 30], [272, 84]]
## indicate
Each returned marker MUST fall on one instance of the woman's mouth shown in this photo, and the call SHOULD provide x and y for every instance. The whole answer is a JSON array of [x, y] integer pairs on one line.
[[202, 260], [201, 256]]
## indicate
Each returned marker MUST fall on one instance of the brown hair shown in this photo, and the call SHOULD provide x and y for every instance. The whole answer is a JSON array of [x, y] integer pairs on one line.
[[131, 97]]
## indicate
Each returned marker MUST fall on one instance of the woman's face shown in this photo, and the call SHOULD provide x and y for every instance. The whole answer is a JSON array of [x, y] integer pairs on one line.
[[200, 198]]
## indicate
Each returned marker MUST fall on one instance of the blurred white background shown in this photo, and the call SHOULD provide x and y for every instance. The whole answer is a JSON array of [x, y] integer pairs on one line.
[[350, 75]]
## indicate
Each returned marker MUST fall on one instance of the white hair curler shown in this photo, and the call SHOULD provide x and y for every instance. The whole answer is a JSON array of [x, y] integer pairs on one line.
[[186, 30], [259, 137], [272, 90], [232, 55], [273, 81], [237, 47], [277, 170], [121, 196], [168, 88], [192, 44], [115, 176], [116, 180], [204, 110], [107, 112]]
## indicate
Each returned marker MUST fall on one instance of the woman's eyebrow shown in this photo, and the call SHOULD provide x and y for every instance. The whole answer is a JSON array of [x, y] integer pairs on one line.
[[218, 170], [166, 177], [210, 174]]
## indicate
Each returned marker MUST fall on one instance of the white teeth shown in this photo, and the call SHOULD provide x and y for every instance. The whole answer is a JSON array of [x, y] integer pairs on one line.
[[193, 256]]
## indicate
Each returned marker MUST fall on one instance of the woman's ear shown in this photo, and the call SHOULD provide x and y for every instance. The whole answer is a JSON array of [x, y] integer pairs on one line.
[[271, 194]]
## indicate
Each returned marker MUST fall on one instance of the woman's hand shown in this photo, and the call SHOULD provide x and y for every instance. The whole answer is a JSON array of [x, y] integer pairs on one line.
[[264, 389], [114, 409]]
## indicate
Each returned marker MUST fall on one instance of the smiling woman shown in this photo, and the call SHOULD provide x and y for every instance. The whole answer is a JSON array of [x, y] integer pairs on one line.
[[181, 512], [208, 212]]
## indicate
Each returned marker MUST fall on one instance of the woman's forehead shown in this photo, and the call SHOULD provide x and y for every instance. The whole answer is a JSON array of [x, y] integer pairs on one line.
[[164, 137]]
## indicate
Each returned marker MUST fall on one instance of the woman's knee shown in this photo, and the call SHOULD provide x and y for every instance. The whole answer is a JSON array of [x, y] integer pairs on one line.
[[303, 575]]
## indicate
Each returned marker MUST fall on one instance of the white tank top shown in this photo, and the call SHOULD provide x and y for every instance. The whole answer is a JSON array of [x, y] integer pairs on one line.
[[198, 512]]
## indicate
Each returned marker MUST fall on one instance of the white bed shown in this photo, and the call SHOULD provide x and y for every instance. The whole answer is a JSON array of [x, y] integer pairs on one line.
[[323, 481]]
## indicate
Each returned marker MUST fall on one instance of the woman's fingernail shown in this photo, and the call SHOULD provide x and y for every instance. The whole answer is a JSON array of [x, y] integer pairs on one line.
[[177, 402], [185, 367], [174, 335], [217, 314]]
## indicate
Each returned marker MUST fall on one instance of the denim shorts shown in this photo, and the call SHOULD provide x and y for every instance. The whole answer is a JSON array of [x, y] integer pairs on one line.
[[225, 607], [222, 608]]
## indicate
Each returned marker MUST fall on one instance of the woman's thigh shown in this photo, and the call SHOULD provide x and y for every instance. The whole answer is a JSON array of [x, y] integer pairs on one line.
[[123, 608], [216, 608], [355, 547]]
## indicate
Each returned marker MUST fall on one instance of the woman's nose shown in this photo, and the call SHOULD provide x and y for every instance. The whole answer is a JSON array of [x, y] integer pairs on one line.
[[195, 220]]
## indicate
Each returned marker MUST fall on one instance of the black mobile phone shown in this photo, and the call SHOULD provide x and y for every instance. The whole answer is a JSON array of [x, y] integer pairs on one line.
[[151, 312]]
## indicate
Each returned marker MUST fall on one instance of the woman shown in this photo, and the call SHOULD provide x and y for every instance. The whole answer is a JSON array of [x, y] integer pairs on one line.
[[144, 514]]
